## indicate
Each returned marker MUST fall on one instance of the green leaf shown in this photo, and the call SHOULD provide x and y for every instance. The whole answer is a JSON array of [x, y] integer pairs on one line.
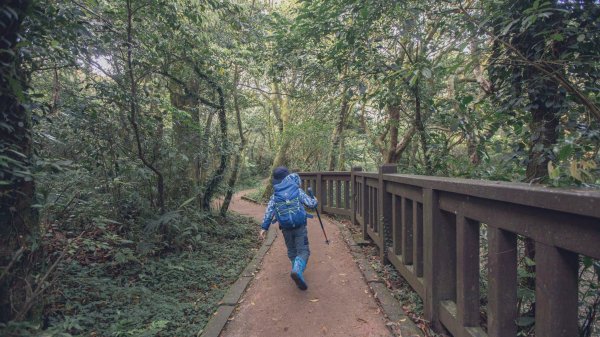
[[187, 202], [587, 261], [565, 152], [426, 72], [557, 37]]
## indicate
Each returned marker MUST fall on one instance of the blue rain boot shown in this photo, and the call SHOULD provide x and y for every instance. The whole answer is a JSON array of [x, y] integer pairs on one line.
[[297, 270]]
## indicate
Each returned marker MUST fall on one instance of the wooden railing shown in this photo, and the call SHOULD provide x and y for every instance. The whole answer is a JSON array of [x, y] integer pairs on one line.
[[429, 228]]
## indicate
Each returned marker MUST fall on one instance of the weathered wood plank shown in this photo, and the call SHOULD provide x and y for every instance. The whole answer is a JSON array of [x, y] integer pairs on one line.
[[579, 234], [407, 191]]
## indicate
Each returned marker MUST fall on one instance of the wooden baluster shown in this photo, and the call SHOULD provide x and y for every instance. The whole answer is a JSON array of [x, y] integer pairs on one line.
[[365, 207], [375, 210], [502, 283], [338, 193], [371, 211], [384, 209], [467, 268], [407, 231], [439, 236], [418, 238], [330, 193], [319, 193], [555, 291], [347, 199], [397, 216], [355, 200]]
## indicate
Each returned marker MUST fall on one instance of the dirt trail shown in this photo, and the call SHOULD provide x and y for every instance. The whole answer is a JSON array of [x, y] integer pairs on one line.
[[337, 303]]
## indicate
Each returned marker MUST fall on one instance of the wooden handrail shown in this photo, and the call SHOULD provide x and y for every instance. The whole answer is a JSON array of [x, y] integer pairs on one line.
[[429, 228]]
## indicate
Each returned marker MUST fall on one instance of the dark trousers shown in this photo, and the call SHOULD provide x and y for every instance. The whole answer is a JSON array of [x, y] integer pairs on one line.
[[296, 241]]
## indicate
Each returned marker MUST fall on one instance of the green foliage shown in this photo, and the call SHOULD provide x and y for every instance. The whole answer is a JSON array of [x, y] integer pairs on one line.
[[110, 287], [133, 104]]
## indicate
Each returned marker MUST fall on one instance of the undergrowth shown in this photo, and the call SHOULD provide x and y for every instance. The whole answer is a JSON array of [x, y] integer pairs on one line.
[[113, 287]]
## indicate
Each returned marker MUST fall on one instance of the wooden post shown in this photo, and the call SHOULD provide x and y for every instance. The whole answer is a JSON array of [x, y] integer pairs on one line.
[[407, 231], [338, 193], [330, 193], [467, 267], [439, 257], [555, 291], [354, 195], [397, 216], [384, 209], [365, 208], [502, 283], [319, 192], [418, 238], [347, 199]]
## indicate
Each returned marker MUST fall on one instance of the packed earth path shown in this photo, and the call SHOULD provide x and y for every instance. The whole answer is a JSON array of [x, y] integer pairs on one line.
[[338, 301]]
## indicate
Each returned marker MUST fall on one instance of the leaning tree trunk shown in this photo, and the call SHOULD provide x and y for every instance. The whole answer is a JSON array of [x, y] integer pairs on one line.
[[18, 221]]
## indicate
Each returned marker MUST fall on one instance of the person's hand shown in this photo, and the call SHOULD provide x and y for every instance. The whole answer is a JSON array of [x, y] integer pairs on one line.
[[263, 234]]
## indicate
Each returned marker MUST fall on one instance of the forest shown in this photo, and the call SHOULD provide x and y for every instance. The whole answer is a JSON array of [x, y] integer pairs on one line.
[[123, 122]]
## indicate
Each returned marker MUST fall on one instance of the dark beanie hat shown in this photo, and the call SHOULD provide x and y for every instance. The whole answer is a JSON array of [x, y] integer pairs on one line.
[[279, 174]]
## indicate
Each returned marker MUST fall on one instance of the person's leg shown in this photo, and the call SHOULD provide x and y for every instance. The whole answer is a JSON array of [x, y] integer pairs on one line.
[[290, 243], [301, 244]]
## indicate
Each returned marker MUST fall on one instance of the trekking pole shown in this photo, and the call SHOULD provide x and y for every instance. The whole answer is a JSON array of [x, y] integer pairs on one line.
[[310, 193]]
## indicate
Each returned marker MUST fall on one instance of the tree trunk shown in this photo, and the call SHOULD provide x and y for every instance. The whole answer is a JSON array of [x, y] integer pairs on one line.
[[280, 108], [239, 154], [202, 160], [546, 105], [342, 160], [187, 137], [133, 107], [546, 102], [18, 221], [217, 177], [421, 129], [394, 121], [338, 132]]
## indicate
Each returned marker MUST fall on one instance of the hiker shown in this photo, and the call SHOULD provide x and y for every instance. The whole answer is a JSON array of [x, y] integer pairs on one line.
[[286, 204]]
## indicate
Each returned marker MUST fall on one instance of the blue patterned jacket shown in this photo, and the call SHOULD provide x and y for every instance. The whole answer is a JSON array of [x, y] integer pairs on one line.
[[304, 199]]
